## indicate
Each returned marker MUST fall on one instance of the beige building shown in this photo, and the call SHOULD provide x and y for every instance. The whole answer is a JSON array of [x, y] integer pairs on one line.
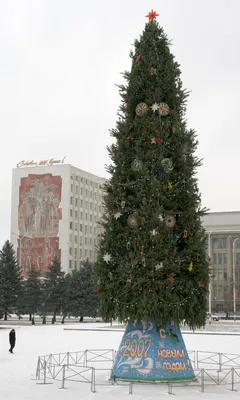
[[55, 212], [223, 245]]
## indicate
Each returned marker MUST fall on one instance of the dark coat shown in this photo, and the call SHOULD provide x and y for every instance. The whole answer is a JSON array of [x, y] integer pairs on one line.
[[12, 337]]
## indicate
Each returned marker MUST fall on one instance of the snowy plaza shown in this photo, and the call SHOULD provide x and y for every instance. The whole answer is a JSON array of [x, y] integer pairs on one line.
[[18, 370]]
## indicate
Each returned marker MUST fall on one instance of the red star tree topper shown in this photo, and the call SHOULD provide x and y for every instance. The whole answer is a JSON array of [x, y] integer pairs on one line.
[[152, 15]]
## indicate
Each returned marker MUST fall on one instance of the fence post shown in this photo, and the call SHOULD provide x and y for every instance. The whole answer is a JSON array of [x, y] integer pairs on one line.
[[202, 380], [38, 369], [67, 360], [197, 359], [63, 376], [233, 379], [220, 362], [130, 387], [45, 372], [86, 358], [93, 381], [50, 363], [170, 391]]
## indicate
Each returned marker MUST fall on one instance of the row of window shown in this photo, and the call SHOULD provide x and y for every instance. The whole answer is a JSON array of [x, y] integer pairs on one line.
[[221, 243], [84, 255], [79, 214], [86, 204], [83, 228], [221, 258], [87, 241], [79, 240], [85, 192], [85, 181]]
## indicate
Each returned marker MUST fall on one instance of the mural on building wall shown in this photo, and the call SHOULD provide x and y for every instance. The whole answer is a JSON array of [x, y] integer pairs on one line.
[[38, 221]]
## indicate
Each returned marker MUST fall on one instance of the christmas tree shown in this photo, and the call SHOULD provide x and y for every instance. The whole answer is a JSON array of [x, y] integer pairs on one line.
[[152, 262]]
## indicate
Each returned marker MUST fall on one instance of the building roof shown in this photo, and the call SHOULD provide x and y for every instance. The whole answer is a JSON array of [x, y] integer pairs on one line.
[[227, 220]]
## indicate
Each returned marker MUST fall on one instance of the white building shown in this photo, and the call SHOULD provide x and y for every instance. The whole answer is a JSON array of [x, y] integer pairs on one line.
[[55, 212], [223, 246]]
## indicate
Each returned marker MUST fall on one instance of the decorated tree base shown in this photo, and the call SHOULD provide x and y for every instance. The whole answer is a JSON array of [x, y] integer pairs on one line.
[[151, 352]]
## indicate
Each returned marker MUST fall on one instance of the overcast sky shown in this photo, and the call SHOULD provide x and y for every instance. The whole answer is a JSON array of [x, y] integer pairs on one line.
[[60, 61]]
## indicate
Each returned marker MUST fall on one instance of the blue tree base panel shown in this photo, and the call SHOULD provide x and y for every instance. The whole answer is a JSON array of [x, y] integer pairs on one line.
[[151, 352]]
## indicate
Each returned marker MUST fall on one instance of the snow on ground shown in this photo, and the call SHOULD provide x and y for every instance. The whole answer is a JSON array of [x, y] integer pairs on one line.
[[17, 371]]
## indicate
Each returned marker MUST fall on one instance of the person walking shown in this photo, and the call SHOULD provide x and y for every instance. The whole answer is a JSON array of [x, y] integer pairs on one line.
[[12, 340]]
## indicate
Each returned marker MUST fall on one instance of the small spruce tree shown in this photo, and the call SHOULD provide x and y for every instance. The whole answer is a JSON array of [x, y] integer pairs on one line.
[[32, 293], [10, 279], [53, 290]]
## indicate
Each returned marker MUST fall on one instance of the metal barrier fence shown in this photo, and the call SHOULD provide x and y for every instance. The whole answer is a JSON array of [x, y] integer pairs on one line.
[[211, 368]]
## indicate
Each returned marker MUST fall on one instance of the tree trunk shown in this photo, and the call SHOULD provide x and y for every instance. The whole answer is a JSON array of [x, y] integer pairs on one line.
[[81, 319], [44, 320], [54, 317], [30, 316], [63, 319], [33, 321], [5, 316]]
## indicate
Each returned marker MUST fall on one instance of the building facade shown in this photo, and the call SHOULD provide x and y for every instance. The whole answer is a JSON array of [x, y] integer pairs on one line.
[[55, 213], [223, 246]]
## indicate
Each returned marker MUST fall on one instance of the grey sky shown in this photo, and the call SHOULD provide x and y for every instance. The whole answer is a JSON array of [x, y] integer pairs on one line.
[[60, 61]]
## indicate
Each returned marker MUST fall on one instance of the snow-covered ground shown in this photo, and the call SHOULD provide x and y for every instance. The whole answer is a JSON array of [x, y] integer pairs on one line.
[[17, 371]]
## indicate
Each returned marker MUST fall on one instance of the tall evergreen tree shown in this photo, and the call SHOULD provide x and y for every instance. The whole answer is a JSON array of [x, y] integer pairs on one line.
[[152, 255], [32, 293], [82, 292], [10, 279], [53, 291]]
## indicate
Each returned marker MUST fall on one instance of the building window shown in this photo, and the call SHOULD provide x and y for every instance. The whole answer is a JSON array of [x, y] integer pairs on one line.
[[238, 258], [81, 190], [70, 251], [90, 241], [80, 227], [86, 240], [225, 258], [90, 206], [71, 213], [76, 214], [86, 192], [86, 182], [81, 202], [75, 252], [220, 275], [90, 229], [220, 243], [76, 239], [70, 264], [85, 253], [75, 264], [82, 180], [86, 229], [91, 217], [71, 187], [220, 258], [71, 225], [220, 292], [76, 226], [71, 200], [90, 254], [81, 215], [76, 201]]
